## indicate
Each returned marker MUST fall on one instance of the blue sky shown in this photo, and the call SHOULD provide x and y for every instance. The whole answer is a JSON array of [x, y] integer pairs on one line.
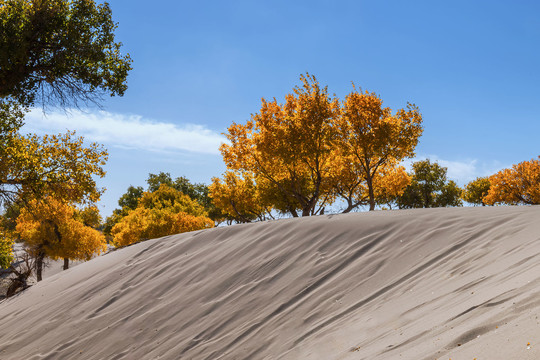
[[472, 67]]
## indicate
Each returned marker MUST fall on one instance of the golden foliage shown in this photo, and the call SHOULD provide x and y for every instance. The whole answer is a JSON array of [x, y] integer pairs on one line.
[[238, 197], [518, 185], [389, 183], [374, 138], [165, 211], [308, 151], [289, 144], [50, 226], [60, 166], [89, 216], [349, 181]]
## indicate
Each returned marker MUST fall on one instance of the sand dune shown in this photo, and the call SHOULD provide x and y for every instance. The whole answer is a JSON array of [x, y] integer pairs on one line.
[[459, 283]]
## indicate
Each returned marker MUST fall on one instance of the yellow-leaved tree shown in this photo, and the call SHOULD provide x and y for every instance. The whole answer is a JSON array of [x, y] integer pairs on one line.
[[89, 216], [311, 150], [61, 166], [518, 185], [165, 211], [374, 139], [238, 197], [49, 228], [290, 145], [51, 166], [349, 179], [388, 183]]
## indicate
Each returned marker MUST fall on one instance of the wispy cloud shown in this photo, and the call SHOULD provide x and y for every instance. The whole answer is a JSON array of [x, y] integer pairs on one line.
[[136, 132], [127, 131], [461, 171]]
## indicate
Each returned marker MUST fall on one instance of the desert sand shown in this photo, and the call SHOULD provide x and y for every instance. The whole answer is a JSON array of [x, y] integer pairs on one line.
[[460, 283]]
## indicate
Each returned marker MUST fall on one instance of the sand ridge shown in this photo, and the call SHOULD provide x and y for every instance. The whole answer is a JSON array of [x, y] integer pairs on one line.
[[458, 283]]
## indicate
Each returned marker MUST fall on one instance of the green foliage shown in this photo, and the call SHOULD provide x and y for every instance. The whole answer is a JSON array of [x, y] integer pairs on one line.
[[6, 249], [12, 210], [155, 181], [11, 119], [127, 202], [429, 188], [59, 51], [53, 52], [196, 191], [450, 195], [476, 191], [130, 200]]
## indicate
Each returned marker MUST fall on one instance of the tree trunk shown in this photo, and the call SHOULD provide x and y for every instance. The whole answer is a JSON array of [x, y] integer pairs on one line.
[[369, 181], [39, 265], [350, 206], [66, 263], [242, 218], [293, 212]]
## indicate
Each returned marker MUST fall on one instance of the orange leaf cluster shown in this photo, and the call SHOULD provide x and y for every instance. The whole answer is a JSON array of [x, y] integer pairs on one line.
[[305, 153], [518, 185]]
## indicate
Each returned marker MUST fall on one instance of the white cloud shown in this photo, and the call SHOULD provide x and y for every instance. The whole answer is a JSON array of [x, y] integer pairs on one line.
[[461, 171], [127, 131]]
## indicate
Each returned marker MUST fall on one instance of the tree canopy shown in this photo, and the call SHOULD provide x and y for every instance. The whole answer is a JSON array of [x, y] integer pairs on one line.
[[57, 165], [289, 144], [33, 168], [476, 190], [59, 52], [238, 197], [196, 191], [53, 53], [517, 185], [50, 228], [312, 149], [374, 139], [429, 188], [130, 199], [165, 211]]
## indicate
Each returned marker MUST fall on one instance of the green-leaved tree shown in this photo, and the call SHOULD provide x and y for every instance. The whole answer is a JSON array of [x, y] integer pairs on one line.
[[476, 191], [59, 52], [429, 188]]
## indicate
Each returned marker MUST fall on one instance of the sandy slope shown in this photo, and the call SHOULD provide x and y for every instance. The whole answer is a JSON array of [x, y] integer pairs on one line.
[[422, 284]]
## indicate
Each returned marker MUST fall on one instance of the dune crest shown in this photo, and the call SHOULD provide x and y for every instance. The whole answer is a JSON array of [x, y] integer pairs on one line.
[[417, 284]]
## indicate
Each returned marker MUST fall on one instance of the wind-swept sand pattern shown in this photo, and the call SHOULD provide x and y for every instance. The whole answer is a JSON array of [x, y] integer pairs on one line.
[[458, 283]]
